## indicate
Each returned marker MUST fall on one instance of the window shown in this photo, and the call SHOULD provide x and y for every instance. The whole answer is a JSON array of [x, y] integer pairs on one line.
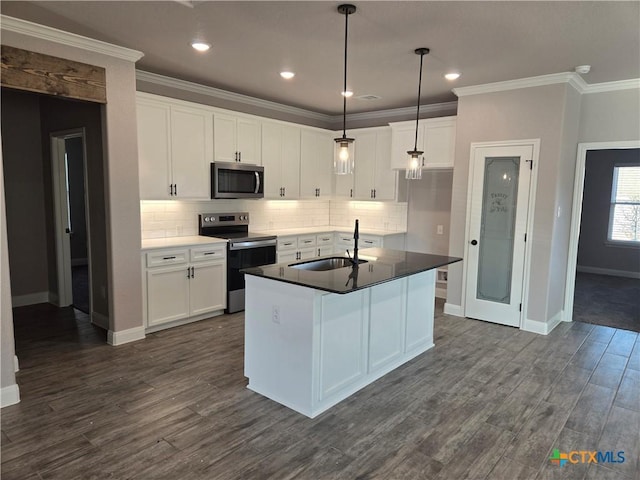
[[624, 216]]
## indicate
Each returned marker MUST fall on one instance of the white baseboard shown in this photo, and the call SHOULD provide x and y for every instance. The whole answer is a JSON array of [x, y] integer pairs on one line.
[[542, 328], [455, 310], [16, 365], [608, 271], [100, 320], [125, 336], [29, 299], [9, 395]]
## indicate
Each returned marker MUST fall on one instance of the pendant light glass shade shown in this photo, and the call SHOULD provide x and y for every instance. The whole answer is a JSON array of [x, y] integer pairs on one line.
[[414, 160], [414, 165], [343, 156], [343, 159]]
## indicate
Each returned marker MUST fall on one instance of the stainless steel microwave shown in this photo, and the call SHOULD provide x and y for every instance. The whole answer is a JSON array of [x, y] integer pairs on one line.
[[236, 180]]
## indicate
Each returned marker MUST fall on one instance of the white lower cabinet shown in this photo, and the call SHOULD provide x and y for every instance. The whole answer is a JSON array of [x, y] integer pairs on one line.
[[167, 294], [293, 248], [304, 247], [182, 285]]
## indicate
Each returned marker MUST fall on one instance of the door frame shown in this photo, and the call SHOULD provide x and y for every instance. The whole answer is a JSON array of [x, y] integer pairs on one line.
[[576, 214], [535, 144], [63, 245]]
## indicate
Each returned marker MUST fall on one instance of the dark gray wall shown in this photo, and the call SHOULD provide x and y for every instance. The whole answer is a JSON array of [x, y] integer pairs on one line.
[[25, 198], [58, 115], [27, 121], [593, 250]]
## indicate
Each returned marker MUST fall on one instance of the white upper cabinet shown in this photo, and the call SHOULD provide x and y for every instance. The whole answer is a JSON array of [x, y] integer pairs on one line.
[[316, 163], [373, 178], [154, 147], [281, 160], [236, 139], [436, 138], [175, 148]]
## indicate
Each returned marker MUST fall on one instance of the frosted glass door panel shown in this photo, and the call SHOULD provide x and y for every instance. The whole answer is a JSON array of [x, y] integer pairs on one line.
[[499, 202]]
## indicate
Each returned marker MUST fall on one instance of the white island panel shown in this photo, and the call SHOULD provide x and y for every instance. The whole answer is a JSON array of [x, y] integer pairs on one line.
[[309, 349]]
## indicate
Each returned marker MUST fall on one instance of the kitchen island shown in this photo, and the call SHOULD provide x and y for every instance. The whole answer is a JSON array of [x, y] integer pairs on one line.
[[314, 337]]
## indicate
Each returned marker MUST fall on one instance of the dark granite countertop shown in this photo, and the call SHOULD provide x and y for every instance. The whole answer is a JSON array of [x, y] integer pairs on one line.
[[383, 265]]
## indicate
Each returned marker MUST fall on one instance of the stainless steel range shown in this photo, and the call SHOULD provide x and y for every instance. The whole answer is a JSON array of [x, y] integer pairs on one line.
[[244, 250]]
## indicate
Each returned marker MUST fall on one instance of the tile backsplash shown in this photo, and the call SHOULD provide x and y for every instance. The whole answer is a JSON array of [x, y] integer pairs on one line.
[[175, 218]]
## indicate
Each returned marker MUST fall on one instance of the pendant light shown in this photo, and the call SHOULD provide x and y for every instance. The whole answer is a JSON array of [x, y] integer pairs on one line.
[[414, 165], [343, 154]]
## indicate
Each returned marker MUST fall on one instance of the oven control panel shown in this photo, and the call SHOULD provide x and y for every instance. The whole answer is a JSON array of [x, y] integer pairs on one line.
[[223, 219]]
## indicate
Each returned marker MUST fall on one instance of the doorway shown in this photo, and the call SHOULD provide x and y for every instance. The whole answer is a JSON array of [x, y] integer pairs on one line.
[[71, 219], [500, 180], [603, 274]]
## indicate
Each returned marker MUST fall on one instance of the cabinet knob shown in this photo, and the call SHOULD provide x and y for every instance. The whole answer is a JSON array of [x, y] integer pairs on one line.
[[474, 242]]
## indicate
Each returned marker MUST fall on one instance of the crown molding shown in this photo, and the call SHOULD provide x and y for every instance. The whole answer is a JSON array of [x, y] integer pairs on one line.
[[573, 79], [567, 77], [24, 27], [213, 92], [613, 86], [445, 108]]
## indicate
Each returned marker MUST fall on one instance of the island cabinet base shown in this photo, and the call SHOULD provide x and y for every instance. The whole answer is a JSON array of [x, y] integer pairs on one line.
[[309, 349]]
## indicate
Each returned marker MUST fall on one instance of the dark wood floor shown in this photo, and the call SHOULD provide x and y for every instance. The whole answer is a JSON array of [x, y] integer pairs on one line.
[[487, 402]]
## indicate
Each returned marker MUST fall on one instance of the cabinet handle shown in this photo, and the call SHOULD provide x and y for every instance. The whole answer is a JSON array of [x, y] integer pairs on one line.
[[318, 252], [171, 189], [371, 193], [193, 272], [351, 193], [286, 244], [368, 241], [240, 156], [284, 191], [235, 156], [423, 161], [209, 253], [188, 272], [374, 193], [175, 189], [306, 241], [169, 258]]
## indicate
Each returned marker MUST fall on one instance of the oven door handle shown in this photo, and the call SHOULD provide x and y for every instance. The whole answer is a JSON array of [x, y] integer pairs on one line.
[[257, 182], [252, 244]]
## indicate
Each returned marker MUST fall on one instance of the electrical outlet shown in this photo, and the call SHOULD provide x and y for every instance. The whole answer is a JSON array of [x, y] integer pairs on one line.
[[275, 314], [440, 229]]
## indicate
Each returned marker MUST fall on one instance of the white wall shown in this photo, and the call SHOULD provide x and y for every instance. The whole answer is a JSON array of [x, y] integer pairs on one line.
[[527, 113], [9, 391], [610, 116], [429, 206]]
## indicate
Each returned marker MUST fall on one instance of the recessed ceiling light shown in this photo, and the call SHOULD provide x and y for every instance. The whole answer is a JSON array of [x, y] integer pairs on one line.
[[201, 46], [347, 93], [452, 75], [287, 75]]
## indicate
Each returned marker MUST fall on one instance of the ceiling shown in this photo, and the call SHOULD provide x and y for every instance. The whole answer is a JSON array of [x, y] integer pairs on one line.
[[254, 41]]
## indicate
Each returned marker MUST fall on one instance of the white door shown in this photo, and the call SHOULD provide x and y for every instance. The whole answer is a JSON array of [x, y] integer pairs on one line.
[[224, 138], [154, 150], [208, 289], [191, 152], [497, 227]]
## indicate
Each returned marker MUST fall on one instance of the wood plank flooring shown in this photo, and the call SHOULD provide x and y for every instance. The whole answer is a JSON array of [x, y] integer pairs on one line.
[[487, 402]]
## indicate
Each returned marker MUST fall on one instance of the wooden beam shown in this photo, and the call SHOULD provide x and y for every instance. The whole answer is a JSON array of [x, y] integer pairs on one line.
[[36, 72]]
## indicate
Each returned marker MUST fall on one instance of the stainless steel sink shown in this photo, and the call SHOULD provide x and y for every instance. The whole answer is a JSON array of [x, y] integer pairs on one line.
[[325, 264]]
